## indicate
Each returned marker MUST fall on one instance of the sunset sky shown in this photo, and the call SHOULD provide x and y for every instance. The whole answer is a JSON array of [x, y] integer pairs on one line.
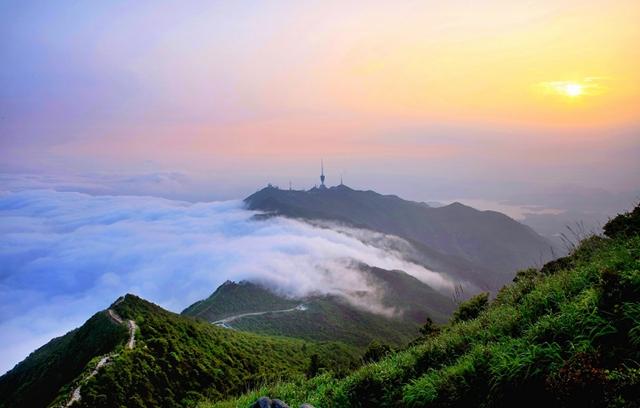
[[420, 98], [530, 108]]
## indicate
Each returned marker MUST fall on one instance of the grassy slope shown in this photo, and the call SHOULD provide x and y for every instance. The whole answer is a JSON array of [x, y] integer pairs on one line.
[[567, 336], [234, 298], [414, 298], [329, 317], [178, 360], [35, 381]]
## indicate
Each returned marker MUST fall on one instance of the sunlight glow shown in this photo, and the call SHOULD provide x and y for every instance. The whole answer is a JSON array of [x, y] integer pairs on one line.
[[573, 90]]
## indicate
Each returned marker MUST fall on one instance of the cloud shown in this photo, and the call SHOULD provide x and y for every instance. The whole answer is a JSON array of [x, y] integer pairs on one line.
[[66, 255]]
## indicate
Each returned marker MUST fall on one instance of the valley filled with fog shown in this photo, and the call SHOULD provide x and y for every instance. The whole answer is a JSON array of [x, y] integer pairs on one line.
[[66, 255]]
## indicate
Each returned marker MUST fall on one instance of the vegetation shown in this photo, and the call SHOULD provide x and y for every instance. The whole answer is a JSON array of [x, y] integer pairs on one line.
[[429, 328], [235, 298], [375, 352], [471, 308], [36, 381], [624, 225], [178, 361], [331, 318], [567, 337]]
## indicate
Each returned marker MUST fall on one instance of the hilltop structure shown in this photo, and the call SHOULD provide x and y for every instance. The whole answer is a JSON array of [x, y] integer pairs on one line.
[[322, 186]]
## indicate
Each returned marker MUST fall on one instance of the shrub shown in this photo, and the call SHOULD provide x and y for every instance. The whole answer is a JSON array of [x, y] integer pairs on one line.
[[624, 225], [579, 382], [375, 352], [429, 328], [471, 308]]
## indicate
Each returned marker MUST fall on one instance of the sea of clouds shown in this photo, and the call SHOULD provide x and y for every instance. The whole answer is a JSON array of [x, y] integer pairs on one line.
[[66, 255]]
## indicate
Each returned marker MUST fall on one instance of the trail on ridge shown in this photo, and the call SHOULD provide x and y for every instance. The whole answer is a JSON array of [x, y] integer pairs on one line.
[[104, 360]]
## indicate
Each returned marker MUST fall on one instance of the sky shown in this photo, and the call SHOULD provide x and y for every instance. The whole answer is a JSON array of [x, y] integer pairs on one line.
[[167, 110], [389, 94]]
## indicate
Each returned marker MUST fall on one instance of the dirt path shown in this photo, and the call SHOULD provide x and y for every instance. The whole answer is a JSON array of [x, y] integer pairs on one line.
[[75, 395], [132, 334], [225, 322], [131, 343]]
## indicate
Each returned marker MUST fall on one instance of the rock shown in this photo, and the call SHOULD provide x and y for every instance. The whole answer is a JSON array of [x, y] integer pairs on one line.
[[276, 403], [262, 402], [266, 402]]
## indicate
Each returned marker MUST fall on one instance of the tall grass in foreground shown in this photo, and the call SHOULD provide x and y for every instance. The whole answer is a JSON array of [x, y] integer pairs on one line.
[[565, 335]]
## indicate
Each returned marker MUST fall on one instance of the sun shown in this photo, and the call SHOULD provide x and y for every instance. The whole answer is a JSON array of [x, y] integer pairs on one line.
[[572, 89]]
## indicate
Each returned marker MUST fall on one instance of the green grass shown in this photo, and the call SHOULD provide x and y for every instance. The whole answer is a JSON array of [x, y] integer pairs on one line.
[[332, 318], [179, 360], [235, 298], [565, 336], [37, 380], [176, 362]]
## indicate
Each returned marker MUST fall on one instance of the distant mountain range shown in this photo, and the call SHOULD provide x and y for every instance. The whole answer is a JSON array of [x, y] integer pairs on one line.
[[485, 248]]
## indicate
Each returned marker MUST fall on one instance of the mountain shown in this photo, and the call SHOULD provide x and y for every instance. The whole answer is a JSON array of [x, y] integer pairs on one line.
[[468, 243], [232, 298], [36, 381], [136, 354], [564, 335], [252, 307]]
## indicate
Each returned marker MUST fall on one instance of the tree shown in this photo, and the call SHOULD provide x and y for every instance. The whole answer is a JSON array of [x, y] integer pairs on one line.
[[314, 366], [471, 308], [429, 329], [624, 225], [375, 352]]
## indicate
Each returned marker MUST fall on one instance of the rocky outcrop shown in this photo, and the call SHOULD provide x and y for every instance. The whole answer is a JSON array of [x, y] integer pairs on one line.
[[266, 402]]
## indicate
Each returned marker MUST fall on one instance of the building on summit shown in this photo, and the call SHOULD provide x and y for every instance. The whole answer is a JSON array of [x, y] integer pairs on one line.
[[322, 186]]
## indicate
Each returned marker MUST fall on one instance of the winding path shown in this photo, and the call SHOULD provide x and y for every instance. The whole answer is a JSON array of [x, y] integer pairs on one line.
[[225, 322], [131, 343]]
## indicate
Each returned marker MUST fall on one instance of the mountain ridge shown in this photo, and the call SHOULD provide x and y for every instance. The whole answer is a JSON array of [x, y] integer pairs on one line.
[[408, 301], [174, 361], [490, 242]]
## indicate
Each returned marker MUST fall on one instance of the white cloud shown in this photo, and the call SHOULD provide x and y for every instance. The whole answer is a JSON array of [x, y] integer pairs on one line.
[[66, 255]]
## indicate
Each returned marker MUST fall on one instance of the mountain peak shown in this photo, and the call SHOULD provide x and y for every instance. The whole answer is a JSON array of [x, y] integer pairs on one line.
[[491, 247]]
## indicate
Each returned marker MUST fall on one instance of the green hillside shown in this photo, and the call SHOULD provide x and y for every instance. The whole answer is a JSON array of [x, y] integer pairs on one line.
[[234, 298], [175, 361], [332, 318], [36, 381], [413, 298], [566, 335], [325, 318]]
